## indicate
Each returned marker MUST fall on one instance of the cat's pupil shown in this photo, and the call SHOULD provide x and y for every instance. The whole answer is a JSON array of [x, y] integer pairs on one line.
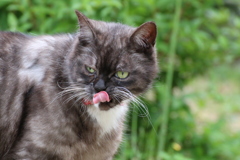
[[91, 70], [122, 75]]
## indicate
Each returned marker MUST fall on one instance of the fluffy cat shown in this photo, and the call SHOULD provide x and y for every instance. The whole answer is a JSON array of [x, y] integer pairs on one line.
[[65, 97]]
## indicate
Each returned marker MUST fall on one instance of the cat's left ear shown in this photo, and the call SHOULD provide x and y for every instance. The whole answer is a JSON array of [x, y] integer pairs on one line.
[[85, 24], [145, 34]]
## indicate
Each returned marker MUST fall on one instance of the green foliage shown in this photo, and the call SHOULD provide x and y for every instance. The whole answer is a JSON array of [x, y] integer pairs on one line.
[[208, 36]]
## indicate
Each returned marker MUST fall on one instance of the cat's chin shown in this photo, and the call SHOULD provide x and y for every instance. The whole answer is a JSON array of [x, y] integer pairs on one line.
[[106, 105], [101, 105]]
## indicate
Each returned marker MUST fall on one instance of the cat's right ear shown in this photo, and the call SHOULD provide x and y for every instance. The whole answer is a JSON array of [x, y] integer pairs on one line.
[[85, 25], [145, 35]]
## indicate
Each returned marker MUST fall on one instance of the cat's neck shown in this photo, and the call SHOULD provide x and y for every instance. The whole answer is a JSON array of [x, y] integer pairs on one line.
[[110, 120]]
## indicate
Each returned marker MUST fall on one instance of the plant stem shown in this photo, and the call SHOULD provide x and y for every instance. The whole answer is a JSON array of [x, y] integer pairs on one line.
[[134, 128], [169, 79]]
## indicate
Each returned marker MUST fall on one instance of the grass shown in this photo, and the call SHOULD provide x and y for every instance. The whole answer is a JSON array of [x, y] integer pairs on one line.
[[214, 104], [214, 100], [216, 96]]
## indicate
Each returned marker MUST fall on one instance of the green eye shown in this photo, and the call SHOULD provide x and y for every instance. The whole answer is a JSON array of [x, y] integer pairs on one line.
[[90, 70], [121, 74]]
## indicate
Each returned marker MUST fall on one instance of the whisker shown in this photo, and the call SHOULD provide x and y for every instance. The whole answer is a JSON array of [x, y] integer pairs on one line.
[[73, 97], [115, 96], [124, 93], [77, 100], [74, 91]]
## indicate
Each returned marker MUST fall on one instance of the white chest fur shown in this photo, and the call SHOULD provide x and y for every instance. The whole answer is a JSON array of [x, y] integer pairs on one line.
[[110, 119]]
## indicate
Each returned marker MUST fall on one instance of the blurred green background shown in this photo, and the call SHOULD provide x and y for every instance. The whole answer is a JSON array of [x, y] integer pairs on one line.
[[194, 104]]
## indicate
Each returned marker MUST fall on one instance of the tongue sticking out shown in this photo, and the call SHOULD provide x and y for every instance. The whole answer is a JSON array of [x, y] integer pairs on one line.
[[101, 97], [97, 98]]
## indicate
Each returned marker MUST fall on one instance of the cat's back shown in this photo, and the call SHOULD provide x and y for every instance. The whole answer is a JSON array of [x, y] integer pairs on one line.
[[10, 44], [30, 54], [9, 37], [25, 62], [11, 41], [10, 47]]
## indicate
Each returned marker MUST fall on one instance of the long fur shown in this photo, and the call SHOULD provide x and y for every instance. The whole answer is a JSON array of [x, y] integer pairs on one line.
[[44, 84]]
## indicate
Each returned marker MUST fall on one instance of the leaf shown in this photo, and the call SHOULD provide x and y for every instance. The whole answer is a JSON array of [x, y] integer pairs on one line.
[[12, 22]]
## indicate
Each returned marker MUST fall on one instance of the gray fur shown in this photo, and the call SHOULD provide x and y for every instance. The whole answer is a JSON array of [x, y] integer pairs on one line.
[[43, 82]]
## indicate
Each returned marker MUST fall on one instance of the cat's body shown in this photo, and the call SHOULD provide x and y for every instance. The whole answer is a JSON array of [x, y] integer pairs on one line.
[[45, 89]]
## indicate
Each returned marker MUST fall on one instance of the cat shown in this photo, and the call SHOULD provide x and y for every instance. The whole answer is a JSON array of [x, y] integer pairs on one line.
[[66, 96]]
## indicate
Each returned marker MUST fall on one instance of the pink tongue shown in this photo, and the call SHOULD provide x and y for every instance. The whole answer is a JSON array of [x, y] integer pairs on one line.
[[101, 97]]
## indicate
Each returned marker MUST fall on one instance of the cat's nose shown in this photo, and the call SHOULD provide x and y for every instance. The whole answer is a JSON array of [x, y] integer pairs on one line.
[[100, 85]]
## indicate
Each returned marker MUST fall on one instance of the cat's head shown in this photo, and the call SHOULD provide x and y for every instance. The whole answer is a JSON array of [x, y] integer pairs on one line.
[[111, 57]]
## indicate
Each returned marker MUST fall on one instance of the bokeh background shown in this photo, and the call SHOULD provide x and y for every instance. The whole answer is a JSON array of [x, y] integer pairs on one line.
[[194, 104]]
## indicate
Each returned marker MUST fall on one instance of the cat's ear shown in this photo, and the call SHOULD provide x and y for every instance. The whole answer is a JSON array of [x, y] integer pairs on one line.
[[145, 34], [85, 24]]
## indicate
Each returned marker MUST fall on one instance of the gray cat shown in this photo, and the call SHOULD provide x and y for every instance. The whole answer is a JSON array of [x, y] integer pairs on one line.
[[65, 97]]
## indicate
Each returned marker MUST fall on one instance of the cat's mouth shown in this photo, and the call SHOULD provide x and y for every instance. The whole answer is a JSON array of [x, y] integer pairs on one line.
[[102, 105], [103, 100], [100, 97], [108, 105]]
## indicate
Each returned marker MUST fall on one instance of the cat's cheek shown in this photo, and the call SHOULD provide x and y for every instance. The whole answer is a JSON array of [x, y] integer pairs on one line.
[[83, 78]]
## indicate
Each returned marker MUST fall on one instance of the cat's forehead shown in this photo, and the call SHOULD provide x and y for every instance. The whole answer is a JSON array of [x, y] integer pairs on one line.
[[112, 34], [107, 60], [112, 28], [89, 58]]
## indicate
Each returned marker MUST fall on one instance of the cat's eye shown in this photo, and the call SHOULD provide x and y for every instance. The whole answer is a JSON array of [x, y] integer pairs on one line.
[[121, 74], [90, 70]]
